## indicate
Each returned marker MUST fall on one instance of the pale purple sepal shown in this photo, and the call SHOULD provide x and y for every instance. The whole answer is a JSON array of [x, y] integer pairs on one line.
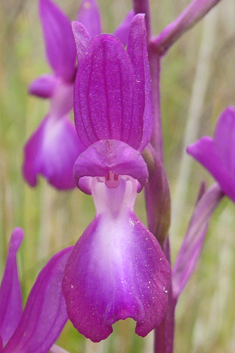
[[218, 155], [89, 16], [81, 37], [10, 292], [52, 151], [110, 155], [59, 41], [193, 241], [137, 51], [117, 268], [122, 31], [196, 10], [45, 313], [43, 86]]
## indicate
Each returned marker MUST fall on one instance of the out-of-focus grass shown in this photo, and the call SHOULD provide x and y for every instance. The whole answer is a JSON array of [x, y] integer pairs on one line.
[[53, 220]]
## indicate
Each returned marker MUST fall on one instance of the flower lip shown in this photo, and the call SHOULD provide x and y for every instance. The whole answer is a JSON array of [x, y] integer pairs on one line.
[[109, 155], [117, 268]]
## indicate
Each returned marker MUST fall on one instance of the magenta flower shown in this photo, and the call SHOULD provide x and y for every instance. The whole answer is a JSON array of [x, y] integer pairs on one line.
[[54, 147], [217, 155], [117, 268], [37, 327]]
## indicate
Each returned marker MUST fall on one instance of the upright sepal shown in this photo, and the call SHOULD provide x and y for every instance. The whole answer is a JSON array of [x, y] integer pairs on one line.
[[122, 31], [81, 37], [59, 41], [89, 16], [137, 51], [45, 313], [10, 292], [106, 99]]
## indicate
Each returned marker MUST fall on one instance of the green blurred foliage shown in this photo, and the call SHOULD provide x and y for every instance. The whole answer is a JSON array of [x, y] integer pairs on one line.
[[52, 220]]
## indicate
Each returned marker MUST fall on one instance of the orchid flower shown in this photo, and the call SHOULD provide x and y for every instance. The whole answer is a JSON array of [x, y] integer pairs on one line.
[[36, 328], [217, 155], [117, 268], [54, 146]]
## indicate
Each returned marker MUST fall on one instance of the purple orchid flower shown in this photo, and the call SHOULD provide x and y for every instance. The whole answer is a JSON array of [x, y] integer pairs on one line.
[[37, 327], [218, 155], [117, 268], [54, 146]]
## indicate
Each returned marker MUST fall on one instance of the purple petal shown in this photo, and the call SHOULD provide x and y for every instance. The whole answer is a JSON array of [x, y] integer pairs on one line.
[[224, 138], [206, 153], [43, 86], [137, 50], [110, 155], [45, 313], [81, 37], [89, 16], [194, 239], [117, 269], [52, 151], [59, 41], [105, 97], [122, 31], [10, 292]]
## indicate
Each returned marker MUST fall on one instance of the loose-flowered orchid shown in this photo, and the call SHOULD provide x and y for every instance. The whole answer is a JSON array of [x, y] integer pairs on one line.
[[54, 147], [36, 328], [117, 268], [217, 155]]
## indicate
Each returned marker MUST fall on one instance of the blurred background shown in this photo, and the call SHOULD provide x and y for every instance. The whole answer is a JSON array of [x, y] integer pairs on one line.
[[198, 81]]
